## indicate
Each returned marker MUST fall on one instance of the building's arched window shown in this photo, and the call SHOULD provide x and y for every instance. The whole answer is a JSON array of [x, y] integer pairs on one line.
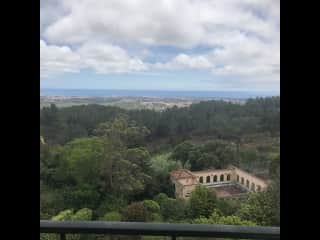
[[215, 178], [242, 181], [208, 179], [253, 187], [201, 179], [247, 183], [228, 177], [221, 178], [258, 188], [238, 178]]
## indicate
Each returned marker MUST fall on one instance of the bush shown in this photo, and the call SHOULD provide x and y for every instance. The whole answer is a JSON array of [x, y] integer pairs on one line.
[[82, 214], [216, 218], [151, 206], [112, 216], [174, 209], [155, 217], [81, 197], [135, 212], [161, 198], [110, 204], [63, 215], [202, 202], [228, 207]]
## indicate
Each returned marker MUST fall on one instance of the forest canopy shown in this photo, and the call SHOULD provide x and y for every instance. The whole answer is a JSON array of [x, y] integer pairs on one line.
[[107, 163]]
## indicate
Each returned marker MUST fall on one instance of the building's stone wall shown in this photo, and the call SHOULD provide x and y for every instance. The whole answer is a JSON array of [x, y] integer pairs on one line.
[[187, 190], [187, 181], [179, 189], [249, 181], [213, 178]]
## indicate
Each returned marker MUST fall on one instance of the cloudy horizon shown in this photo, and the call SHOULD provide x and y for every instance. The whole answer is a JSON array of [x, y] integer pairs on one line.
[[165, 45]]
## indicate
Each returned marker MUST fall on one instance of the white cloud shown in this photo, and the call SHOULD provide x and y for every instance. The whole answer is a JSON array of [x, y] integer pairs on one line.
[[239, 56], [57, 60], [51, 11], [183, 61], [102, 58], [126, 21], [105, 58], [181, 23], [247, 56], [243, 35]]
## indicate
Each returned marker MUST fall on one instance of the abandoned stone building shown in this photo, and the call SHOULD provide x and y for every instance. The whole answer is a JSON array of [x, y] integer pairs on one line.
[[230, 182]]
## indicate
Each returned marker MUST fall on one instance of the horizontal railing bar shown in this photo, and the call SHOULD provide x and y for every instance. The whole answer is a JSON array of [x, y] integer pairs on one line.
[[159, 229]]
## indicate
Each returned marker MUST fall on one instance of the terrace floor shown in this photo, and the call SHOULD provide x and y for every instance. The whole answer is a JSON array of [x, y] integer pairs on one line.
[[229, 191]]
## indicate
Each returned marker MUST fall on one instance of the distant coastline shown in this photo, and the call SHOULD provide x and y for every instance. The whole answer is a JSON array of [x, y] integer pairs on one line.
[[87, 93]]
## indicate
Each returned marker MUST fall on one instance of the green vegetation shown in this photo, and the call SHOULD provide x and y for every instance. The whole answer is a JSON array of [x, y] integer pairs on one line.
[[202, 202], [129, 103], [107, 163], [216, 218]]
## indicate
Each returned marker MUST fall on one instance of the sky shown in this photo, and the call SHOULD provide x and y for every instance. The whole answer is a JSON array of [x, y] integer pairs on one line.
[[164, 44]]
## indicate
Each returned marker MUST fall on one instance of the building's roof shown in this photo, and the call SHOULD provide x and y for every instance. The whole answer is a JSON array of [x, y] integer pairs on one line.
[[181, 173], [211, 171]]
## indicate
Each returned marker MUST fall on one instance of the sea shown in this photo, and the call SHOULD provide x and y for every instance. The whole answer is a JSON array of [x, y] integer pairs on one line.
[[154, 93]]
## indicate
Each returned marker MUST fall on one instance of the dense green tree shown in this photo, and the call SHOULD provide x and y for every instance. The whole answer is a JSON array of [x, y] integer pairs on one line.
[[160, 167], [128, 178], [52, 126], [84, 214], [111, 203], [81, 196], [216, 118], [125, 165], [102, 158], [181, 152], [274, 168], [263, 207], [174, 209], [51, 201], [85, 158], [161, 198], [111, 216], [162, 163], [64, 215], [255, 209], [139, 156], [216, 218], [153, 210], [135, 212], [274, 202], [53, 169], [124, 131], [228, 207], [213, 154], [151, 206], [273, 192], [202, 202]]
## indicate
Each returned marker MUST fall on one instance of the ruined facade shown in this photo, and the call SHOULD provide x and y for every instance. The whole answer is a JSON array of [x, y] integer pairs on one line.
[[227, 182]]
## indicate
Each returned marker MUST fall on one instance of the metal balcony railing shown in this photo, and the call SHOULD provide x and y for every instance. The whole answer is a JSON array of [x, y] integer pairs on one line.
[[158, 229]]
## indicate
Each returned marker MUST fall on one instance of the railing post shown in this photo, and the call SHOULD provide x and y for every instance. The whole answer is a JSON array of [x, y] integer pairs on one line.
[[62, 236], [173, 237]]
